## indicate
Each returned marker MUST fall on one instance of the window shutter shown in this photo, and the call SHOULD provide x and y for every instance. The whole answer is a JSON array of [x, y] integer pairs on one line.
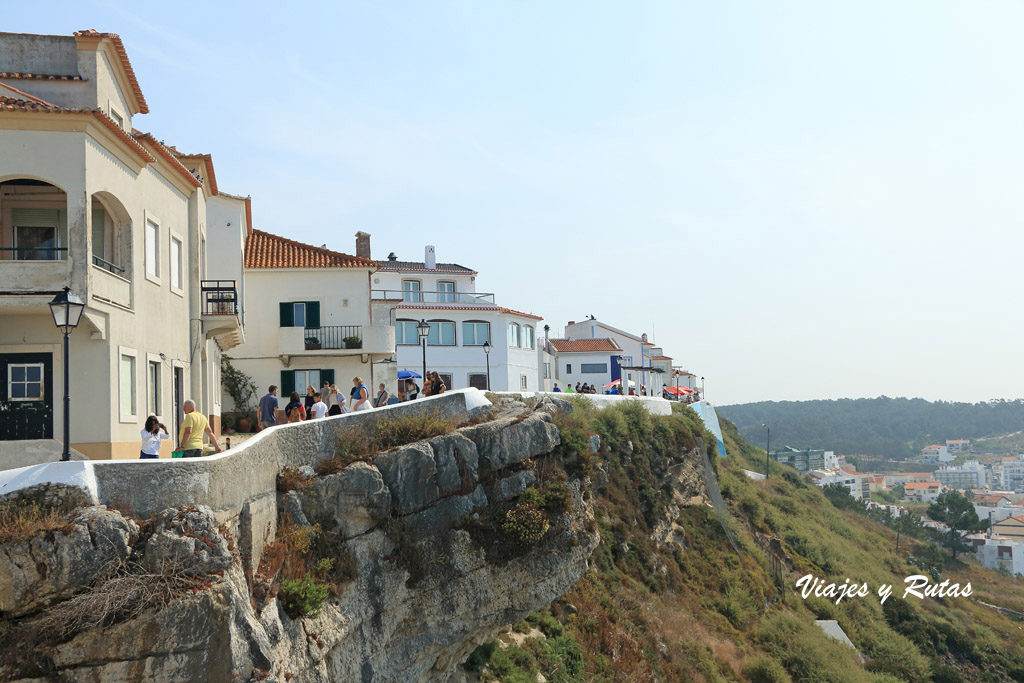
[[327, 376], [313, 314], [287, 313], [98, 233], [287, 382], [36, 218]]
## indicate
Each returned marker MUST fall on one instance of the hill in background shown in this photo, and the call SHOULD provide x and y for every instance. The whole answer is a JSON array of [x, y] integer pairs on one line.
[[893, 427]]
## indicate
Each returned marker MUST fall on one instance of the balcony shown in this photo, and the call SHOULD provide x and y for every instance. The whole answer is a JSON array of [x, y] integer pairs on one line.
[[29, 271], [219, 302], [439, 298], [337, 340]]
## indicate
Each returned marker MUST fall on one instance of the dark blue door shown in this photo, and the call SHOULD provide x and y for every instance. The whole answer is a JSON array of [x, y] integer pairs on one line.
[[26, 396]]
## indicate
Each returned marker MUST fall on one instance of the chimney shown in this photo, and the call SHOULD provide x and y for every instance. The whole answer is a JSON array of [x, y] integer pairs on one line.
[[363, 244], [428, 259], [572, 322], [392, 257]]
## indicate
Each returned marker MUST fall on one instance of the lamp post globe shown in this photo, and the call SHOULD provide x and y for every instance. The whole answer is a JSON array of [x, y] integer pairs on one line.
[[423, 330], [66, 309], [487, 356]]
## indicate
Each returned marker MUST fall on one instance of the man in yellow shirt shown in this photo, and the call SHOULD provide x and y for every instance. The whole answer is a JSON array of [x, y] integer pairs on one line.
[[193, 427]]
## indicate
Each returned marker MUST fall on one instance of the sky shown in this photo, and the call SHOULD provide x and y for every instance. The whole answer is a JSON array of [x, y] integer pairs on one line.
[[797, 200]]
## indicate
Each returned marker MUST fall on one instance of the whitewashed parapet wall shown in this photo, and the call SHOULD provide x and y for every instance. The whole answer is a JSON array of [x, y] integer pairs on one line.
[[239, 485], [654, 404]]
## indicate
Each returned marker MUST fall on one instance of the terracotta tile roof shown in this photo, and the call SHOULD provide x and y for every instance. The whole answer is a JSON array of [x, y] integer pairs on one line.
[[208, 162], [584, 345], [24, 97], [38, 106], [420, 266], [168, 156], [514, 312], [264, 250], [129, 71], [14, 75], [989, 497], [921, 485], [661, 358], [445, 307]]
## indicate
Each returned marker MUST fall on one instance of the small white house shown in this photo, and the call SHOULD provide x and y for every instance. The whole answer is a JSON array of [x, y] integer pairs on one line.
[[637, 353], [922, 492], [999, 552], [586, 361], [936, 453], [850, 480]]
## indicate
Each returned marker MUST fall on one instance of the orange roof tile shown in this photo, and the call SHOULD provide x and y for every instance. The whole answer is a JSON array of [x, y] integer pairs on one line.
[[514, 312], [921, 485], [15, 75], [264, 250], [208, 162], [662, 358], [123, 55], [584, 345], [169, 157]]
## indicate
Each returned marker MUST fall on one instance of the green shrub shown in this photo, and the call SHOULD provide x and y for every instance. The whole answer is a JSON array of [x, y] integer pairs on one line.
[[390, 433], [766, 670], [303, 597], [526, 523], [479, 657]]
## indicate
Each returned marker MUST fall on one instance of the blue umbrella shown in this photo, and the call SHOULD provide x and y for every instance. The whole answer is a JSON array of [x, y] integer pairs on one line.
[[406, 374]]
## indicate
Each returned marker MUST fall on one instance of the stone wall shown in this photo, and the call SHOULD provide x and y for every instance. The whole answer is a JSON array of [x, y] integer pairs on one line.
[[655, 404], [238, 485]]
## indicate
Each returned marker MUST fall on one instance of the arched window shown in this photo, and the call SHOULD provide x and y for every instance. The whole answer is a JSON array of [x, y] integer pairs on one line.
[[513, 334], [405, 333], [527, 337], [475, 332], [442, 333]]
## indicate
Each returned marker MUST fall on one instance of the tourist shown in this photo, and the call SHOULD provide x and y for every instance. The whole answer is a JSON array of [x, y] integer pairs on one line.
[[382, 397], [152, 435], [319, 408], [193, 428], [428, 383], [360, 395], [412, 390], [309, 400], [334, 401], [437, 385], [295, 411], [269, 408], [556, 389], [578, 387], [569, 389]]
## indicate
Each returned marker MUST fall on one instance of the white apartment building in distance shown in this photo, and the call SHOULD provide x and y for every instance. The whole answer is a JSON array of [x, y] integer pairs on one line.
[[970, 475], [460, 319], [638, 355], [90, 203]]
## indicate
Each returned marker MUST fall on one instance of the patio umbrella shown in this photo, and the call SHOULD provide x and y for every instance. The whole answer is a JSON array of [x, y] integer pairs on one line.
[[618, 382], [406, 374]]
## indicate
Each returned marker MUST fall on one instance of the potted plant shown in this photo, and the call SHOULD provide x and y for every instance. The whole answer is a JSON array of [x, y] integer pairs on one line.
[[244, 425], [312, 343], [353, 342]]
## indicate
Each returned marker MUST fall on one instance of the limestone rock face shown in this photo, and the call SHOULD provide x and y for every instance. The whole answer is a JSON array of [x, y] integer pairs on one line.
[[50, 567], [352, 501], [187, 540], [509, 441], [410, 472]]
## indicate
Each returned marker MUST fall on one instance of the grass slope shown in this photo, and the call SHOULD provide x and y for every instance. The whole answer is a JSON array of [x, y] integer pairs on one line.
[[650, 612]]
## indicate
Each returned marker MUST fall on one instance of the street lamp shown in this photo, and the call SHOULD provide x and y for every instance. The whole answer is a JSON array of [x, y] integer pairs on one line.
[[487, 355], [622, 378], [767, 450], [702, 396], [423, 329], [66, 309]]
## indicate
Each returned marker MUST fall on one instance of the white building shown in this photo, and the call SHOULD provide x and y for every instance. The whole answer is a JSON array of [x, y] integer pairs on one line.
[[936, 453], [998, 552], [587, 361], [638, 354], [310, 319], [923, 491], [958, 445], [88, 202], [970, 475], [461, 320], [1012, 475], [850, 480]]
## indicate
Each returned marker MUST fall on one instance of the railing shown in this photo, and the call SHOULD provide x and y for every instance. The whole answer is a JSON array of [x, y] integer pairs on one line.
[[333, 337], [106, 265], [220, 297], [33, 253], [471, 298]]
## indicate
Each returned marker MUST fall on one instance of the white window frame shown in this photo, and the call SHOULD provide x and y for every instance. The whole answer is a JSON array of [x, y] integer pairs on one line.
[[519, 335], [416, 335], [123, 416], [174, 236], [418, 292], [438, 323], [523, 383], [526, 343], [147, 219], [444, 296], [315, 385], [476, 341], [295, 308], [42, 382], [155, 359]]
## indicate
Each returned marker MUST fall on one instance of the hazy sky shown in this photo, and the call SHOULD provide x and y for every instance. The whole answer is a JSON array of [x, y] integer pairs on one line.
[[798, 199]]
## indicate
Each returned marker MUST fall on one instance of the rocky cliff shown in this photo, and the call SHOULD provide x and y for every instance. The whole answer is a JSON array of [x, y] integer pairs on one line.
[[428, 549]]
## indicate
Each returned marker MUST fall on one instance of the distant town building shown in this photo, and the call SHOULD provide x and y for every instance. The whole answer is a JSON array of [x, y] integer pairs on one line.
[[851, 480], [638, 355], [999, 552], [800, 460], [958, 445], [903, 478], [922, 492], [1010, 475], [589, 361], [936, 453], [1011, 527], [968, 476]]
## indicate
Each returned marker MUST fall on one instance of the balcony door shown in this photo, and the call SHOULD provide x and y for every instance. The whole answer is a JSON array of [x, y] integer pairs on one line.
[[26, 396]]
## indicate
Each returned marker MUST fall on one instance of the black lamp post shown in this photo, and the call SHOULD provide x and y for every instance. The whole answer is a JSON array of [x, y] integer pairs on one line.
[[623, 382], [66, 309], [423, 329], [702, 396], [767, 450], [487, 356]]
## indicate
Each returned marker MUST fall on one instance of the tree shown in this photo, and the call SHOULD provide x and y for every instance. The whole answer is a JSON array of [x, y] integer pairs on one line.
[[239, 385], [839, 495], [956, 512]]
